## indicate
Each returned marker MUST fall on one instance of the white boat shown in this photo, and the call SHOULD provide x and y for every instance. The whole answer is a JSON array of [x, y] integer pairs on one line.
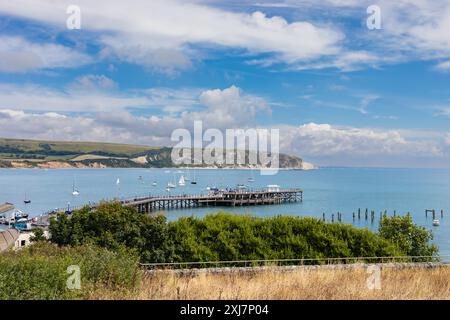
[[181, 182], [154, 183], [171, 185], [168, 189], [75, 192], [436, 222]]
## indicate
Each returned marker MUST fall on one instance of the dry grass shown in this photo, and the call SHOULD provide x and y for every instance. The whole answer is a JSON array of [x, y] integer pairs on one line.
[[407, 283]]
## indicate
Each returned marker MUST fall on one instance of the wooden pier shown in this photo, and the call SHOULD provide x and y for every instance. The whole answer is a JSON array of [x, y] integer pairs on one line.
[[148, 204], [6, 207], [220, 198]]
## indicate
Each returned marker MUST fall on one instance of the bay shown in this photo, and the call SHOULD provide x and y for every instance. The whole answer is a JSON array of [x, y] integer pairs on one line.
[[327, 190]]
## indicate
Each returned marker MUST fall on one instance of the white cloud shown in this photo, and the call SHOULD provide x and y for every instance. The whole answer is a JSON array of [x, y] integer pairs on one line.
[[19, 55], [159, 33], [39, 98], [323, 143], [443, 66], [323, 140], [92, 82]]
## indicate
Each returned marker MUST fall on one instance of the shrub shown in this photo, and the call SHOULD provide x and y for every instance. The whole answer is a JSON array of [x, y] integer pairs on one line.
[[413, 240], [40, 271]]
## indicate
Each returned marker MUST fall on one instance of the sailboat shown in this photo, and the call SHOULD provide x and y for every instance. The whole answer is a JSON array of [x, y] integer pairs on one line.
[[193, 179], [188, 175], [171, 185], [154, 183], [75, 192], [251, 179], [26, 201], [181, 182]]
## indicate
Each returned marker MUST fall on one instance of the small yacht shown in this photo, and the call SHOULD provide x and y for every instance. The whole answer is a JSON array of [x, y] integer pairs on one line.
[[26, 201], [193, 179], [170, 185], [181, 182], [75, 192], [168, 189], [436, 222], [154, 183]]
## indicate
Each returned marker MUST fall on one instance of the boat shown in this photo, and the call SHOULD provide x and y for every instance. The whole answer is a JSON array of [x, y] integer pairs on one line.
[[154, 183], [241, 187], [3, 219], [171, 185], [26, 201], [168, 189], [181, 182], [251, 179], [436, 222], [193, 179], [75, 192], [18, 214]]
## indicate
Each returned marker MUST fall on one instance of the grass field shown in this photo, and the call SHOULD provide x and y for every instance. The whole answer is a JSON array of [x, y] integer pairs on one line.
[[74, 146], [406, 283]]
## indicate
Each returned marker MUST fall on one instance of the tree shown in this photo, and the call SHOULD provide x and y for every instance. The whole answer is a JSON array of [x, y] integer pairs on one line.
[[413, 240], [38, 235]]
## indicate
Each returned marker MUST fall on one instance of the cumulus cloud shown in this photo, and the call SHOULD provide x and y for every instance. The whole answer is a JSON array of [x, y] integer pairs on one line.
[[92, 82], [325, 140], [160, 33], [40, 98], [443, 66], [325, 144], [20, 55]]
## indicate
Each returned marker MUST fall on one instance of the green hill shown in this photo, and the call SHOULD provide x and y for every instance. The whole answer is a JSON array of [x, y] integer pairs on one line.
[[24, 153]]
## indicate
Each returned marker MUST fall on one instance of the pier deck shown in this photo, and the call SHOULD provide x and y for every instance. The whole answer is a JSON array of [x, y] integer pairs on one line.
[[150, 203], [219, 198], [6, 207]]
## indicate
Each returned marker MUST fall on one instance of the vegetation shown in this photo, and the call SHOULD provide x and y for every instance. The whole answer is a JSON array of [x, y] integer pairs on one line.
[[413, 240], [32, 153], [298, 284], [107, 245], [224, 237], [41, 271]]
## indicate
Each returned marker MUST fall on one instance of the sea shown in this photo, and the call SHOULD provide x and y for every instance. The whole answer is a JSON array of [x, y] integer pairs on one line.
[[326, 191]]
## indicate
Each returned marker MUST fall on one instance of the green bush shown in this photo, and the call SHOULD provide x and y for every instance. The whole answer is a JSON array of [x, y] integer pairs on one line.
[[225, 237], [413, 240], [40, 271], [222, 236]]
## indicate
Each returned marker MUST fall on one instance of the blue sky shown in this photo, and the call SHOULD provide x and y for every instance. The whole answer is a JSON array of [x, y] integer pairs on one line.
[[341, 94]]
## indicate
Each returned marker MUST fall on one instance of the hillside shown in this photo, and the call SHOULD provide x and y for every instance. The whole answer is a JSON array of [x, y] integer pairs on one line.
[[24, 153]]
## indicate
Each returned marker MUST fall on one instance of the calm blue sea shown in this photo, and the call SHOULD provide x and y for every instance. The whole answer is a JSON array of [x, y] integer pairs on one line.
[[326, 190]]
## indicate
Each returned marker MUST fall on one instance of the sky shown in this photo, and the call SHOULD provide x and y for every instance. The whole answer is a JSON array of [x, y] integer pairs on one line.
[[341, 94]]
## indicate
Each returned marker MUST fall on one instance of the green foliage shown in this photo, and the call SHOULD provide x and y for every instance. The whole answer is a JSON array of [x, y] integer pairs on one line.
[[40, 271], [38, 235], [412, 240], [225, 236], [111, 226]]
